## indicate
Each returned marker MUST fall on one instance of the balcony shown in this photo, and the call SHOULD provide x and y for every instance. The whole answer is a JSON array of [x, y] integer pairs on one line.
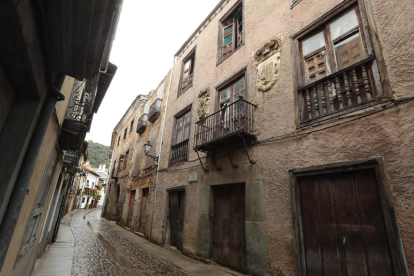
[[71, 160], [142, 123], [226, 127], [78, 118], [347, 90], [155, 110]]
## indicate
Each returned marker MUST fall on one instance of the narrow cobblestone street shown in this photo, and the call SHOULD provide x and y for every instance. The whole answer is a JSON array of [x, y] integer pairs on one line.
[[101, 251]]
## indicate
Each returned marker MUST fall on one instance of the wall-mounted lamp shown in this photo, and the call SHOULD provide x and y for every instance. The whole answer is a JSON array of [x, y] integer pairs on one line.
[[147, 148]]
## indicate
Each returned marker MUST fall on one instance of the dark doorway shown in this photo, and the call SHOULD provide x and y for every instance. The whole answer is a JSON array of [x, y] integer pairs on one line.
[[343, 225], [143, 211], [130, 208], [176, 210], [229, 235]]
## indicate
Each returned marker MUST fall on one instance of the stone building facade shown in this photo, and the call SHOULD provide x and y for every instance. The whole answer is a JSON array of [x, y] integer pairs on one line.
[[130, 197], [300, 113]]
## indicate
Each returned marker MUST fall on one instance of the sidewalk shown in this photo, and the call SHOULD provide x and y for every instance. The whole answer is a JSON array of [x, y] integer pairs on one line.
[[189, 264], [57, 260]]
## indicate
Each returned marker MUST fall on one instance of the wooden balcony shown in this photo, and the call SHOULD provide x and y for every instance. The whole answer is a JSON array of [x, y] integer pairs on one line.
[[155, 110], [142, 123], [344, 91], [225, 127]]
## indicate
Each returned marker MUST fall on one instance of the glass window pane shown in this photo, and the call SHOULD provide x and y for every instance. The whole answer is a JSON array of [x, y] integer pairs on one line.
[[228, 39], [186, 132], [228, 29], [225, 94], [187, 65], [344, 24], [239, 86], [179, 136], [180, 122], [187, 118], [313, 43], [349, 51]]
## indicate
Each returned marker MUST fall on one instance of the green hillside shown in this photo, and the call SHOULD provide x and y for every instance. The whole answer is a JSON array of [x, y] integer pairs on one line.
[[98, 154]]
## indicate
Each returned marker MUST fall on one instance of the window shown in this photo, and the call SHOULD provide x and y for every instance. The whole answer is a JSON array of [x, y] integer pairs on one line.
[[294, 2], [126, 160], [132, 126], [83, 199], [119, 139], [336, 68], [181, 135], [231, 92], [125, 133], [187, 73], [113, 169], [231, 33], [87, 183]]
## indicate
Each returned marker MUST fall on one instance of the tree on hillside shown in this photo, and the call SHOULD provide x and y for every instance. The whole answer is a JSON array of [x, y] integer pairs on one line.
[[98, 154]]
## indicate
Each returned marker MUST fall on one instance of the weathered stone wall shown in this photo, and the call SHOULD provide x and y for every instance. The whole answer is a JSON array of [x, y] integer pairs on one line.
[[388, 133]]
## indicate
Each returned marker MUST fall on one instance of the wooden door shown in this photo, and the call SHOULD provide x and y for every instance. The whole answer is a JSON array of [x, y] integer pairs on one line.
[[176, 216], [229, 237], [143, 211], [130, 207], [343, 226]]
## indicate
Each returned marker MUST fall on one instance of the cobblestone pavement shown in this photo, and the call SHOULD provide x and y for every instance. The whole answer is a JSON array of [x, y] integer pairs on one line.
[[101, 251]]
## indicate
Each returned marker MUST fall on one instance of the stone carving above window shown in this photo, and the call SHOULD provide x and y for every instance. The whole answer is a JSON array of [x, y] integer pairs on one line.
[[203, 103], [267, 60]]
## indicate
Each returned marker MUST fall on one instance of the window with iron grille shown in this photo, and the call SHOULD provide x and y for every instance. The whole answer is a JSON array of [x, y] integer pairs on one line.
[[181, 136]]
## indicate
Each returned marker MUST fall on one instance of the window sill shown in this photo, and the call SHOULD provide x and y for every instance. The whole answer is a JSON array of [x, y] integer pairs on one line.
[[184, 91], [221, 61], [327, 118], [294, 4]]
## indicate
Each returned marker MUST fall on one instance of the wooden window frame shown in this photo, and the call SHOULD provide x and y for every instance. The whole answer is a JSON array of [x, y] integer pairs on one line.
[[231, 15], [132, 126], [376, 77], [177, 116], [385, 196], [293, 3], [190, 56], [231, 81]]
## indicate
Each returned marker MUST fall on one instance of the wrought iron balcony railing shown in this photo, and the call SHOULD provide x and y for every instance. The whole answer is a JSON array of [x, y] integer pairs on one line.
[[155, 110], [142, 123], [341, 91], [224, 126]]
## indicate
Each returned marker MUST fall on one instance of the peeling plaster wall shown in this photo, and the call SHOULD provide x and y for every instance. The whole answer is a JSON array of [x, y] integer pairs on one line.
[[388, 134]]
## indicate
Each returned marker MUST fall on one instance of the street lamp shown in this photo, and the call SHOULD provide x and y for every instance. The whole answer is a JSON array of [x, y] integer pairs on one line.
[[147, 148]]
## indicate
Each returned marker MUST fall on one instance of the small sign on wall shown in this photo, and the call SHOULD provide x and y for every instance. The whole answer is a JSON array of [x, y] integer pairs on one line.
[[192, 177]]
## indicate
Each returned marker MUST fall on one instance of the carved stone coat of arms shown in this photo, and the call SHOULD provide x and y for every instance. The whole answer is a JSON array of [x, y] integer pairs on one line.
[[267, 60]]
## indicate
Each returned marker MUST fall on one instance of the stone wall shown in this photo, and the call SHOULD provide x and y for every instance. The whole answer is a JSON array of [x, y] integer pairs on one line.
[[386, 132]]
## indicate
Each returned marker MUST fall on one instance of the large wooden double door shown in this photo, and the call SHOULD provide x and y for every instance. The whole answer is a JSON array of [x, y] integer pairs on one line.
[[343, 225], [229, 235], [176, 217]]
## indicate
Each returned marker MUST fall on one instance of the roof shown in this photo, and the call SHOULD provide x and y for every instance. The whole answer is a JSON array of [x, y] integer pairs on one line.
[[105, 80], [102, 175], [201, 25], [79, 34]]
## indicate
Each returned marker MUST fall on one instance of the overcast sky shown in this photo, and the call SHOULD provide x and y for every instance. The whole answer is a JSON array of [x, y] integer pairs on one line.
[[149, 34]]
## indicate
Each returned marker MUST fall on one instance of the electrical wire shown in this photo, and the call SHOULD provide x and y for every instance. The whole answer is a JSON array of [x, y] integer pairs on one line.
[[295, 134]]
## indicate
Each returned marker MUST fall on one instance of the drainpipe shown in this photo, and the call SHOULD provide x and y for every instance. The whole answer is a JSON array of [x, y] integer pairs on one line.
[[20, 188], [160, 145]]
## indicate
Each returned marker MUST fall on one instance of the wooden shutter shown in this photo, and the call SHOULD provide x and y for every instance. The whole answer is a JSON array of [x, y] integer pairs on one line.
[[315, 66], [228, 48], [239, 27], [153, 140], [137, 159], [349, 53]]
